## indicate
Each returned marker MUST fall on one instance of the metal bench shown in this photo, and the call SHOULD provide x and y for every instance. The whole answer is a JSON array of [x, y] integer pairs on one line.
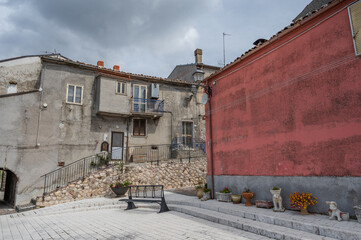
[[147, 194]]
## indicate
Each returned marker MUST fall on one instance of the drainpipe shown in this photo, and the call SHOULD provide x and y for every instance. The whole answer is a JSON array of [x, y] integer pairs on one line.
[[127, 146], [210, 143], [171, 125], [40, 105]]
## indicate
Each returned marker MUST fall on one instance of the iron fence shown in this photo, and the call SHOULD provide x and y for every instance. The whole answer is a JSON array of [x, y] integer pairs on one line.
[[135, 154]]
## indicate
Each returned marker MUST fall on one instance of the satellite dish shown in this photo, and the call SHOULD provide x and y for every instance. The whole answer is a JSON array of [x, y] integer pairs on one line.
[[204, 98]]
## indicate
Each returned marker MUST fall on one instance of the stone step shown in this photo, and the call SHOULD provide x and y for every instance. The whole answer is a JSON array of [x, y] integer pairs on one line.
[[25, 207], [314, 224], [253, 226]]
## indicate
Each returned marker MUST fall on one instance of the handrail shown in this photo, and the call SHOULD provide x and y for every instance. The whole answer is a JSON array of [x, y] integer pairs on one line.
[[147, 153]]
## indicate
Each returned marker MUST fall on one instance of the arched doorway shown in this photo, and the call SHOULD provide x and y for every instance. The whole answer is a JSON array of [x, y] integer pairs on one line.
[[8, 181]]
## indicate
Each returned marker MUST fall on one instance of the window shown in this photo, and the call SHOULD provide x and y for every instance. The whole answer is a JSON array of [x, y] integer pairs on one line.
[[120, 88], [139, 127], [139, 98], [355, 20], [12, 87], [74, 94], [187, 133]]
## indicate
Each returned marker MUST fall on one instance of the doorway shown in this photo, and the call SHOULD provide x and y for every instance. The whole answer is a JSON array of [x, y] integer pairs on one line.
[[117, 145], [8, 181]]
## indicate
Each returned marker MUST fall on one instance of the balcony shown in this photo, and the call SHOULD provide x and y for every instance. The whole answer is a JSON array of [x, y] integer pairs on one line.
[[147, 107]]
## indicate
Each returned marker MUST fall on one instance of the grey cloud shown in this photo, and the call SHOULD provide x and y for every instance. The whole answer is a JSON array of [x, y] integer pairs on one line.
[[142, 36]]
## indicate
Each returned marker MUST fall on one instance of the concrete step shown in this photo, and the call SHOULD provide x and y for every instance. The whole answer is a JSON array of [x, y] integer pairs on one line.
[[314, 224], [253, 226], [25, 207]]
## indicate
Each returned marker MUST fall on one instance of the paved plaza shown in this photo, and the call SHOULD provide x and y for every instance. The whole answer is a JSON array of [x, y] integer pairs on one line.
[[105, 219]]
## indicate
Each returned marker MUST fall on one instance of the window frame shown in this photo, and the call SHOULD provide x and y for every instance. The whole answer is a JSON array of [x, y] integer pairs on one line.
[[67, 92], [140, 102], [145, 127], [116, 87], [14, 85], [185, 135]]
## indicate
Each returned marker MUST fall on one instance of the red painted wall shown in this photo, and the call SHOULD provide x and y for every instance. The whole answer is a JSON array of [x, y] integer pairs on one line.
[[295, 111]]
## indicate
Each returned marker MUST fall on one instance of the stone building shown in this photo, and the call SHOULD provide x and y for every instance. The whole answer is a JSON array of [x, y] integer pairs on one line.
[[55, 111], [186, 71]]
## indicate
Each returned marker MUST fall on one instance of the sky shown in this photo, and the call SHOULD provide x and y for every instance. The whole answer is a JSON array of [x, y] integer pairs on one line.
[[146, 37]]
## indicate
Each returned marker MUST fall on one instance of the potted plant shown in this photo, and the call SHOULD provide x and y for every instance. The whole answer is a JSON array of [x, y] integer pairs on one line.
[[206, 194], [248, 195], [236, 198], [358, 212], [224, 195], [302, 201], [120, 188], [200, 190], [277, 199]]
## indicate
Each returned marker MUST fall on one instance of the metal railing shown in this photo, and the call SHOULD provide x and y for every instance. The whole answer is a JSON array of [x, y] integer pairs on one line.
[[75, 171], [151, 153], [143, 105], [156, 153]]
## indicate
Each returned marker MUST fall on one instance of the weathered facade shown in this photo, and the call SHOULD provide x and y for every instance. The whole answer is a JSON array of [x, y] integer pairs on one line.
[[55, 111], [287, 113]]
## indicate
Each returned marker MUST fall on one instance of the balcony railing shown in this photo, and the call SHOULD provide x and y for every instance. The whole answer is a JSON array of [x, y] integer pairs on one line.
[[143, 105]]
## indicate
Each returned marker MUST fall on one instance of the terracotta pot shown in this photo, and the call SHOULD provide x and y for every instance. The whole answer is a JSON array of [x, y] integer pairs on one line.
[[200, 193], [248, 196], [236, 198]]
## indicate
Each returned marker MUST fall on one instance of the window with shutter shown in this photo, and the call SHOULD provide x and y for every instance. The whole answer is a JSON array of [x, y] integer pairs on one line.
[[139, 127], [355, 20]]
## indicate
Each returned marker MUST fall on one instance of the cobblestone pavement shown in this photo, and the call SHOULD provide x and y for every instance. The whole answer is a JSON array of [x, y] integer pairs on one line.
[[113, 223]]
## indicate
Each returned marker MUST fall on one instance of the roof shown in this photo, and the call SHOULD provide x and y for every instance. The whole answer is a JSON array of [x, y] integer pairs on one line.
[[312, 6], [295, 24], [110, 72], [185, 71], [56, 55]]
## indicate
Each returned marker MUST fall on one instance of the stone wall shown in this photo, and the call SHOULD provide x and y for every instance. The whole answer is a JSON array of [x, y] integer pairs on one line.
[[171, 174]]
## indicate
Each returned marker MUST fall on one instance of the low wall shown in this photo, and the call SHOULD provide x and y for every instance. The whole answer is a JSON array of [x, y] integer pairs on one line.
[[345, 191], [171, 174]]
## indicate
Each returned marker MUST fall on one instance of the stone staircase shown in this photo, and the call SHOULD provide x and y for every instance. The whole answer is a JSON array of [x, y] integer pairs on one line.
[[265, 222]]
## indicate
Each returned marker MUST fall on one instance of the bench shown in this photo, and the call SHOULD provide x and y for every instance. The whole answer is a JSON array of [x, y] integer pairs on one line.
[[147, 194]]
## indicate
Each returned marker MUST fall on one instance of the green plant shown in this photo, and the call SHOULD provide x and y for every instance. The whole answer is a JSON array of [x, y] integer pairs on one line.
[[225, 190], [206, 190], [93, 164], [247, 190], [119, 184], [275, 188], [104, 160]]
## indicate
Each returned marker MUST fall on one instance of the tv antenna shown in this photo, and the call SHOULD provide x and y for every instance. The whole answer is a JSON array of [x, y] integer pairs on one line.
[[224, 48]]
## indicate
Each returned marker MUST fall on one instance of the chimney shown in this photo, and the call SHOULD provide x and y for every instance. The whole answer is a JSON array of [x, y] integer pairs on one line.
[[198, 55], [100, 64], [116, 68]]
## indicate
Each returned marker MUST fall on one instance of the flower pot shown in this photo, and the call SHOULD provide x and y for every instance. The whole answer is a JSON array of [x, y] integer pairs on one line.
[[304, 211], [276, 191], [236, 198], [358, 212], [223, 197], [200, 192], [264, 204], [206, 196], [119, 190], [248, 196]]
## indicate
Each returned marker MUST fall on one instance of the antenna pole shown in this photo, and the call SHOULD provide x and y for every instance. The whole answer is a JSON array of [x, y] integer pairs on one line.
[[224, 48]]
